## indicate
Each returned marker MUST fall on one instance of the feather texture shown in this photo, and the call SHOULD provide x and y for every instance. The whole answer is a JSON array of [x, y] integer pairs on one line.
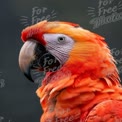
[[90, 84]]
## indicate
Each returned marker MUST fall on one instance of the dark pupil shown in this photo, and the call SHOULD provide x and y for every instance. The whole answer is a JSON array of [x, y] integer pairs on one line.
[[61, 38]]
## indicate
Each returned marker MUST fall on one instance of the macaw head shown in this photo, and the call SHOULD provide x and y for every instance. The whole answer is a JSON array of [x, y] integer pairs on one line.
[[52, 46], [77, 63]]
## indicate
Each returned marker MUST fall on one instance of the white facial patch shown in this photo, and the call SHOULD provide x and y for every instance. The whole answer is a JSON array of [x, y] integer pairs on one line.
[[59, 45]]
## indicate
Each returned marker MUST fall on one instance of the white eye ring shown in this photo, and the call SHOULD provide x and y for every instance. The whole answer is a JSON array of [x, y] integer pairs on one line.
[[61, 39]]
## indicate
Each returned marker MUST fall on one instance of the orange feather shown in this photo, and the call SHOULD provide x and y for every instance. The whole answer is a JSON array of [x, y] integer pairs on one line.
[[91, 91]]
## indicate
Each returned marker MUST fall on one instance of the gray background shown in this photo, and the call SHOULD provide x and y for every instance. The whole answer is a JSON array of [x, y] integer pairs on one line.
[[18, 101]]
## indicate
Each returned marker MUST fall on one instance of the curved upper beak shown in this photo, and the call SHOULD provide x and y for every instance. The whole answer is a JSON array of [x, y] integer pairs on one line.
[[34, 56], [26, 56], [29, 56]]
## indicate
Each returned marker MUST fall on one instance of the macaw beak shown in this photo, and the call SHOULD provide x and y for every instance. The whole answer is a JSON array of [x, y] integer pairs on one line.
[[33, 56], [29, 57]]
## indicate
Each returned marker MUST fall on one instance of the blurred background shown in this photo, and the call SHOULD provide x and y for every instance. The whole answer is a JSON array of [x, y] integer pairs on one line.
[[18, 100]]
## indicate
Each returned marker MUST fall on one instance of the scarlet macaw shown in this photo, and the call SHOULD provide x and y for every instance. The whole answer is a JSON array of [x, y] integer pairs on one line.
[[81, 82]]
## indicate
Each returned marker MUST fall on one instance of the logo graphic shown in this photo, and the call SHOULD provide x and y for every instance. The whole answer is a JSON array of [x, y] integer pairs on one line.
[[2, 81], [68, 118], [2, 119], [106, 12], [37, 15], [37, 77], [117, 53]]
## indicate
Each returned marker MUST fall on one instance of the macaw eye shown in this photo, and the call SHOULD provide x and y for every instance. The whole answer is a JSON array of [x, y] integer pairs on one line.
[[61, 39]]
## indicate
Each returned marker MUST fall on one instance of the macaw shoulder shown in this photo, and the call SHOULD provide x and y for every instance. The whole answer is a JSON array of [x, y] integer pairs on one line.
[[106, 111]]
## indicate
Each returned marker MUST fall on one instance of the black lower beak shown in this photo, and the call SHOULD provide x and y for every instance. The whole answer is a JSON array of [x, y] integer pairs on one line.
[[34, 56]]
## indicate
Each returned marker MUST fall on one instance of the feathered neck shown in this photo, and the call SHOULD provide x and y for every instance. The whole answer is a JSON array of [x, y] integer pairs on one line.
[[64, 95]]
